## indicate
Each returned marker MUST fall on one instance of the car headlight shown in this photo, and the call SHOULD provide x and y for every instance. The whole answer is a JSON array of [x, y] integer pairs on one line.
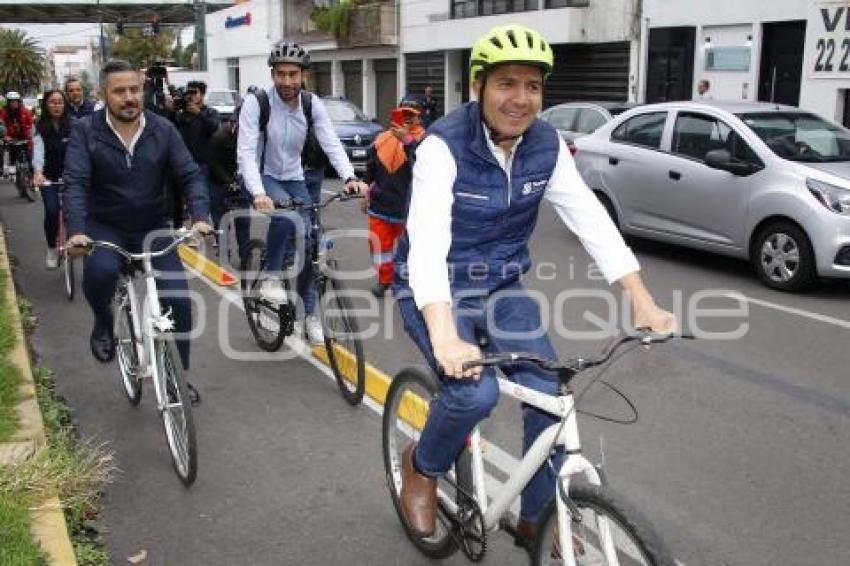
[[835, 198]]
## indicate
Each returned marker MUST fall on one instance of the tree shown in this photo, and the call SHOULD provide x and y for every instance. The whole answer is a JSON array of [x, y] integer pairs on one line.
[[85, 81], [22, 62], [142, 50]]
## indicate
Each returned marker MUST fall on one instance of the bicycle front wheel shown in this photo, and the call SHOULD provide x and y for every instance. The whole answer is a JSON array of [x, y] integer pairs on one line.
[[23, 180], [268, 323], [127, 349], [68, 273], [342, 341], [610, 532], [405, 413], [176, 410]]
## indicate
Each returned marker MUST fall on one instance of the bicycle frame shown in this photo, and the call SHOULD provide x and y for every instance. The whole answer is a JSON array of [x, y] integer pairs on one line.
[[562, 433]]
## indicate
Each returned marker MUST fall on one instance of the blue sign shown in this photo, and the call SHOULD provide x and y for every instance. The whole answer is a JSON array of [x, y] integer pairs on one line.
[[232, 22]]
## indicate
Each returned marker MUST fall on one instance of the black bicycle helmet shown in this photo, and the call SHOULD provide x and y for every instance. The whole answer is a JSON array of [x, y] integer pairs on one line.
[[412, 101], [288, 52]]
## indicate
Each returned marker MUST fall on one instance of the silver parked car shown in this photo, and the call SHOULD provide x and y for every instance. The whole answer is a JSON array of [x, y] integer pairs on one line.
[[762, 182], [576, 119]]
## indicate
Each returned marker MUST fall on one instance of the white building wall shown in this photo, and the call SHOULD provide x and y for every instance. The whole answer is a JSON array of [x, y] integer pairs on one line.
[[426, 25], [250, 43], [730, 22]]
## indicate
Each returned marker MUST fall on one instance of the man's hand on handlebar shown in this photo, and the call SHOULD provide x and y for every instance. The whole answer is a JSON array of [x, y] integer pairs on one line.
[[38, 179], [78, 245], [263, 203], [355, 187], [452, 353], [202, 228]]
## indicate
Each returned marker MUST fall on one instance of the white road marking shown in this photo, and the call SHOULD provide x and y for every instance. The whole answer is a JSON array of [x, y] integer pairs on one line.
[[839, 322]]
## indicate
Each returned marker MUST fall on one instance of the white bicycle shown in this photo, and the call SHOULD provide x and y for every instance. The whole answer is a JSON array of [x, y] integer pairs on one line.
[[585, 515], [145, 349]]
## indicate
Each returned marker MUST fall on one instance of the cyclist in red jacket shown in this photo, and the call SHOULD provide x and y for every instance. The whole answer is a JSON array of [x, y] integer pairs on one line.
[[18, 121]]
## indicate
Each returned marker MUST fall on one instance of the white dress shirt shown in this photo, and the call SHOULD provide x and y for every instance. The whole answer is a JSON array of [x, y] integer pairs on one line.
[[429, 219]]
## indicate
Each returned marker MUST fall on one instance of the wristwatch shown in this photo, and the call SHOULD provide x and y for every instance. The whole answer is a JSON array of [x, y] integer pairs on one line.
[[350, 179]]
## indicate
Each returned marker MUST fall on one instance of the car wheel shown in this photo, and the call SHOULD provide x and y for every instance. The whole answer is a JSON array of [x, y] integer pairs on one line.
[[609, 207], [783, 257]]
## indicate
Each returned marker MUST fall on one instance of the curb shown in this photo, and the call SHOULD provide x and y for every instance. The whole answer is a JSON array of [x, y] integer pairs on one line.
[[48, 521]]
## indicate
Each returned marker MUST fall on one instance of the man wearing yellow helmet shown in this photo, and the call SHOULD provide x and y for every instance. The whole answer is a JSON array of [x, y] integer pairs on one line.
[[478, 182]]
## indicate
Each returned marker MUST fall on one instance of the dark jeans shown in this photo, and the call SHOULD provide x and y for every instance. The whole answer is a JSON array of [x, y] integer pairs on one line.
[[463, 403], [103, 267], [50, 198]]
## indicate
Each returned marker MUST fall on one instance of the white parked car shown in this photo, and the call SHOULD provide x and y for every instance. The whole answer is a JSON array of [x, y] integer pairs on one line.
[[224, 101]]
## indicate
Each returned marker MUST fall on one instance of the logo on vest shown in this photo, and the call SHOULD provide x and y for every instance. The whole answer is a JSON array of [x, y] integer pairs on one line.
[[534, 186]]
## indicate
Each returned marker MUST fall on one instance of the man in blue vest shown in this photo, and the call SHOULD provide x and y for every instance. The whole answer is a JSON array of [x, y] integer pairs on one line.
[[478, 183]]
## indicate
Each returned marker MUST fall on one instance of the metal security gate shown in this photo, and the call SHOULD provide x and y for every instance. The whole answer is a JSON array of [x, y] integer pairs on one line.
[[583, 71], [386, 87], [589, 71], [321, 78], [352, 72], [423, 69]]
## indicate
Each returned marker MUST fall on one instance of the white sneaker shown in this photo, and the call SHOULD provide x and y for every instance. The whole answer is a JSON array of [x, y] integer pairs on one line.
[[314, 330], [52, 260], [271, 290]]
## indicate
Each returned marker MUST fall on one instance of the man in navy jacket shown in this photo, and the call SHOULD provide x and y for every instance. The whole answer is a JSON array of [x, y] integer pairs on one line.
[[78, 105], [115, 169]]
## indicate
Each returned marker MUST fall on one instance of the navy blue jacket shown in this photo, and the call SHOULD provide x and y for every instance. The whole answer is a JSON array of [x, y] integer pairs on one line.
[[86, 108], [493, 217], [105, 184]]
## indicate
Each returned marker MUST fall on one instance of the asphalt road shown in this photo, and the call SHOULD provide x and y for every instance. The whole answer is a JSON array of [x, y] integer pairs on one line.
[[739, 455]]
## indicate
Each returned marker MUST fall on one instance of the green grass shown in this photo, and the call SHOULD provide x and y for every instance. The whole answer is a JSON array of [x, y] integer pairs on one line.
[[16, 547], [10, 378], [71, 469]]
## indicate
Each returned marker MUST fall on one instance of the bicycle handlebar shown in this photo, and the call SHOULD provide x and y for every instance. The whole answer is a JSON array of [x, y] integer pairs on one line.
[[298, 204], [182, 236], [575, 365]]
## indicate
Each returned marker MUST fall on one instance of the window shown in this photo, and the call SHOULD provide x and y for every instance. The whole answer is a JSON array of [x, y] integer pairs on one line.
[[233, 73], [567, 3], [800, 136], [589, 120], [694, 135], [473, 8], [644, 129], [563, 118]]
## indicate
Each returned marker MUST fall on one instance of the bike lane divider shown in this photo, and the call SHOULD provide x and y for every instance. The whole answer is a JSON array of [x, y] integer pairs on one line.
[[48, 520]]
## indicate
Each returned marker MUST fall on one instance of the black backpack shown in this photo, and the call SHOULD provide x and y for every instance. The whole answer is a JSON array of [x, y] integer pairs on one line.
[[265, 113], [312, 156]]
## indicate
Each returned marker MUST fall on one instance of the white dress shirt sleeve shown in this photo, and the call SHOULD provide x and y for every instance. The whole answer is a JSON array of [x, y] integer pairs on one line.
[[329, 141], [37, 153], [585, 216], [429, 222], [247, 141]]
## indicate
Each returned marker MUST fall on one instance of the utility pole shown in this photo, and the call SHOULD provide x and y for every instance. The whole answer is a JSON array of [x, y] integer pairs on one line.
[[102, 38], [201, 33]]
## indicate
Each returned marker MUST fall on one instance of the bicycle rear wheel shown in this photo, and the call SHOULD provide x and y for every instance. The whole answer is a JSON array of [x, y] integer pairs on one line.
[[605, 516], [342, 340], [23, 180], [405, 413], [176, 410], [269, 323], [127, 348]]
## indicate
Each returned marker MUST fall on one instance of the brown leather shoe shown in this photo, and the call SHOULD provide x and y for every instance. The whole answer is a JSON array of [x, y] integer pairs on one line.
[[418, 497]]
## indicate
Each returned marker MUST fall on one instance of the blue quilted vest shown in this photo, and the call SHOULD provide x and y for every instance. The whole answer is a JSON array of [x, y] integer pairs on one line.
[[493, 217]]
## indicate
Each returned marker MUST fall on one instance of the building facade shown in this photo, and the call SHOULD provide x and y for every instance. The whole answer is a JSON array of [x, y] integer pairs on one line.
[[793, 52], [596, 45]]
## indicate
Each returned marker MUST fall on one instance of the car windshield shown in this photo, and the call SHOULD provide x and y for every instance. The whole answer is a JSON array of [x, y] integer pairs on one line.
[[343, 111], [221, 98], [800, 136]]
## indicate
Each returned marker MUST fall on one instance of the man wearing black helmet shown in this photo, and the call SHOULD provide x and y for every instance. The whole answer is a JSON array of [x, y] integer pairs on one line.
[[478, 182], [271, 168]]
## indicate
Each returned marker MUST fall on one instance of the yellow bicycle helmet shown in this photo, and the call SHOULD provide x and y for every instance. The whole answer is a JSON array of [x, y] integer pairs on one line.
[[510, 43]]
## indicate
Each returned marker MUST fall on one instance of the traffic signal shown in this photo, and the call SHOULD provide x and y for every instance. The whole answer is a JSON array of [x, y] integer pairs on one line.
[[119, 27], [155, 26]]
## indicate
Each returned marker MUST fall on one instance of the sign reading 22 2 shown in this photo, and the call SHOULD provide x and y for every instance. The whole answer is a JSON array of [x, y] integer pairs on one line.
[[833, 54]]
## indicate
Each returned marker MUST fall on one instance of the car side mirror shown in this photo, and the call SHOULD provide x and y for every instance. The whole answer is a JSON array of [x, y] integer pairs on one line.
[[722, 159]]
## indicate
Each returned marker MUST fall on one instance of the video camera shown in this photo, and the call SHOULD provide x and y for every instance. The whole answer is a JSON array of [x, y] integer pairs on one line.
[[156, 76]]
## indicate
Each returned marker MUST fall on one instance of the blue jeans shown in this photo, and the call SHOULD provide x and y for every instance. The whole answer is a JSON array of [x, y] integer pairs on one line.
[[103, 267], [281, 238], [50, 198], [463, 403]]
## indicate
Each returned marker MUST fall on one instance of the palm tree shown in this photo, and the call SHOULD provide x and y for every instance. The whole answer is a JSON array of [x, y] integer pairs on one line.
[[22, 62]]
